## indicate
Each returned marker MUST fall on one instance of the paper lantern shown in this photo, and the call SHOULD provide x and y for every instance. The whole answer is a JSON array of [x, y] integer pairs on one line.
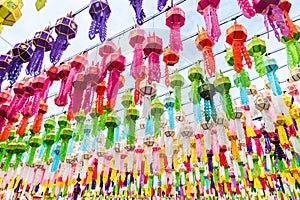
[[37, 123], [222, 84], [79, 85], [5, 65], [100, 12], [272, 15], [208, 8], [247, 8], [170, 58], [126, 101], [177, 82], [148, 91], [242, 81], [10, 151], [139, 11], [22, 53], [111, 123], [285, 6], [40, 4], [236, 35], [116, 64], [256, 48], [205, 44], [10, 11], [105, 50], [100, 90], [153, 49], [271, 67], [38, 86], [65, 135], [34, 142], [42, 41], [52, 75], [175, 19], [49, 137], [157, 109], [138, 68], [132, 116], [20, 148], [3, 113], [63, 74], [66, 29], [169, 105], [80, 118]]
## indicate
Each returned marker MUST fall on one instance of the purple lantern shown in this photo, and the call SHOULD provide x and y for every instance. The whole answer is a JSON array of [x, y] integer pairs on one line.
[[138, 9], [42, 41], [161, 4], [22, 53], [100, 12], [5, 65], [66, 29]]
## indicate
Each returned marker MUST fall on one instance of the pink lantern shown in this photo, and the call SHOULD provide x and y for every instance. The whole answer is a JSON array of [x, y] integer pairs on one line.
[[18, 90], [104, 51], [272, 14], [63, 74], [208, 8], [38, 85], [175, 19], [153, 49], [52, 75], [138, 68], [116, 64], [79, 85]]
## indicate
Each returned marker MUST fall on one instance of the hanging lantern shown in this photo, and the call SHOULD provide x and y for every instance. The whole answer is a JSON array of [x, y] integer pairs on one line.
[[262, 104], [100, 90], [62, 123], [137, 38], [157, 109], [222, 84], [91, 78], [247, 8], [100, 12], [42, 41], [177, 82], [169, 105], [10, 12], [20, 148], [27, 113], [94, 120], [175, 19], [66, 30], [139, 11], [116, 65], [22, 53], [272, 15], [5, 66], [9, 126], [207, 91], [256, 48], [242, 81], [271, 67], [152, 50], [65, 135], [132, 116], [148, 91], [10, 151], [236, 35], [37, 123], [285, 6], [126, 101], [111, 123], [49, 137], [195, 75], [34, 142], [170, 58], [37, 85], [205, 44], [104, 51], [52, 75], [5, 95], [39, 4], [79, 85], [209, 10], [292, 51], [80, 118], [3, 113], [63, 74]]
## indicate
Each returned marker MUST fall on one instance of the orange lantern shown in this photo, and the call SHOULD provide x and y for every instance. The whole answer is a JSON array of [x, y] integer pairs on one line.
[[285, 6], [37, 123], [170, 58], [236, 35]]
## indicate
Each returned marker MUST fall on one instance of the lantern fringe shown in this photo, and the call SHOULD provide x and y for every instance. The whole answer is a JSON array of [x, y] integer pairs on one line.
[[247, 9], [175, 38]]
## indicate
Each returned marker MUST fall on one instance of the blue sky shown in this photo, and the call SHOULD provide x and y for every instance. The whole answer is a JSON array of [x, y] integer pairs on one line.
[[122, 18]]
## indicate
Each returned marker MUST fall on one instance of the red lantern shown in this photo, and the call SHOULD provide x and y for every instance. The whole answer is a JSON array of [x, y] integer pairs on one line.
[[52, 75], [205, 44], [153, 49], [208, 8], [285, 6], [236, 35], [138, 68], [37, 85], [13, 106], [100, 90], [170, 58], [116, 64], [104, 51], [8, 127], [175, 19], [63, 74]]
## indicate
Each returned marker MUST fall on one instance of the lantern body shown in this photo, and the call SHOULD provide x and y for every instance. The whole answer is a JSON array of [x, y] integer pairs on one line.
[[10, 11], [261, 5]]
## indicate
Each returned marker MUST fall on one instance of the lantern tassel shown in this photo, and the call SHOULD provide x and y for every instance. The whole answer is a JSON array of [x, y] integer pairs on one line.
[[35, 64], [209, 61], [247, 9], [175, 38], [212, 23], [154, 68], [61, 43], [161, 4]]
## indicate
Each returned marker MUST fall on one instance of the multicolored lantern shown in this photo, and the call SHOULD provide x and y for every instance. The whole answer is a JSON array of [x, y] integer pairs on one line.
[[22, 53], [5, 65], [223, 84], [247, 8], [170, 58], [272, 15], [66, 29], [42, 41], [209, 10], [152, 50], [157, 109], [139, 11], [100, 12], [116, 64], [256, 48], [177, 82], [205, 44], [236, 35], [138, 67], [175, 19], [132, 115]]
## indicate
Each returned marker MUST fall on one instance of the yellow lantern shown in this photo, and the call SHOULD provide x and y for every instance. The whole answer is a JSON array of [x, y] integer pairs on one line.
[[10, 11]]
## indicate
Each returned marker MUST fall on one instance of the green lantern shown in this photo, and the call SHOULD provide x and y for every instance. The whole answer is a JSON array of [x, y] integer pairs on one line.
[[10, 149], [21, 148], [62, 123], [177, 82], [65, 135], [157, 109], [34, 142], [3, 146], [256, 48], [111, 123], [127, 100], [94, 115], [195, 75], [222, 84], [80, 118], [132, 115], [48, 141], [103, 117]]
